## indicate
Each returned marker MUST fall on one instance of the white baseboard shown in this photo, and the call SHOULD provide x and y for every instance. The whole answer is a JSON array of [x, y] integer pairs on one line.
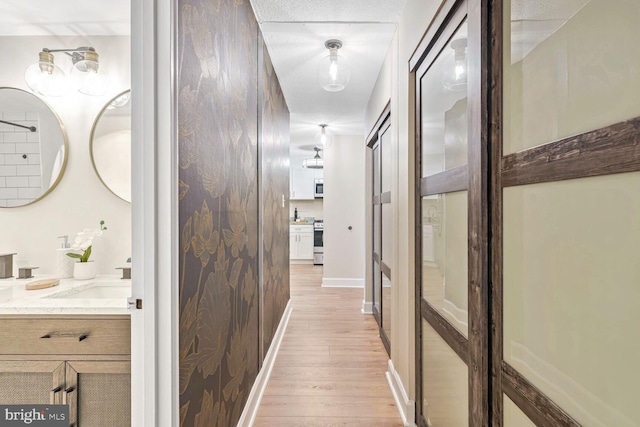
[[257, 391], [342, 283], [406, 407], [301, 261], [367, 307]]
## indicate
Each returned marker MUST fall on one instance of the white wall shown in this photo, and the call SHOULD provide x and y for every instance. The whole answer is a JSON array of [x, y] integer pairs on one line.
[[344, 187], [415, 20], [307, 208], [80, 200]]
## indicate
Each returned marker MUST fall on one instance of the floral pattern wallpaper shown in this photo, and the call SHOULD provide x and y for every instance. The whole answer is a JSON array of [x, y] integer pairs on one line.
[[217, 65], [275, 185]]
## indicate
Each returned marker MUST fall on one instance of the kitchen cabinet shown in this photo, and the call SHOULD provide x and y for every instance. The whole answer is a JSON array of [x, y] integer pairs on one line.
[[301, 242], [81, 361], [302, 184], [303, 181]]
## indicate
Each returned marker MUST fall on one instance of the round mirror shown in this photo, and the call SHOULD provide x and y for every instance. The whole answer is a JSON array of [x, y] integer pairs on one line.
[[111, 145], [33, 148]]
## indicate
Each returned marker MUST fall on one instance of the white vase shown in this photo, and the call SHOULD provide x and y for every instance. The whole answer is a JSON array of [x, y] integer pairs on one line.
[[84, 270]]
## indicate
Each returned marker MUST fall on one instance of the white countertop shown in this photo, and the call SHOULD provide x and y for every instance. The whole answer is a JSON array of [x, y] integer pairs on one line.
[[15, 299]]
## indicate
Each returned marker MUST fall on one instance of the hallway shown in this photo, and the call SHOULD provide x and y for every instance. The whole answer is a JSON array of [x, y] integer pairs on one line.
[[330, 370]]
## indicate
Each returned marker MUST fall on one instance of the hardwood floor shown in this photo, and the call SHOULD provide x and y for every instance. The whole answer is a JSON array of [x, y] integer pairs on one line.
[[331, 365]]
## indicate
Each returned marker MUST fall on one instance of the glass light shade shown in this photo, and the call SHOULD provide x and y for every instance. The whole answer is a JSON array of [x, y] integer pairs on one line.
[[323, 139], [88, 80], [455, 75], [46, 78], [333, 72]]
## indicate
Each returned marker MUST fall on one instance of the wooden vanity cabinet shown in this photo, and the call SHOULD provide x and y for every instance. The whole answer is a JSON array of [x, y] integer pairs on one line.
[[81, 361]]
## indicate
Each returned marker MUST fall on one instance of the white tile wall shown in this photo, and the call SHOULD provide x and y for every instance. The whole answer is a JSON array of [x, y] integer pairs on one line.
[[20, 163]]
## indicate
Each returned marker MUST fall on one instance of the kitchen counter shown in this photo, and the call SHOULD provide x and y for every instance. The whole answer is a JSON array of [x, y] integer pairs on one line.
[[101, 295]]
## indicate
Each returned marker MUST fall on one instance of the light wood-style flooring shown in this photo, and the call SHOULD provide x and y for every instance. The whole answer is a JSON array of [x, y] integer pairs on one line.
[[330, 370]]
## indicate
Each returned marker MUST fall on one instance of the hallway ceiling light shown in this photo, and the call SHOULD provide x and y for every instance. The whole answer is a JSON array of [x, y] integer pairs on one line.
[[46, 78], [316, 163], [333, 69], [323, 139], [455, 77]]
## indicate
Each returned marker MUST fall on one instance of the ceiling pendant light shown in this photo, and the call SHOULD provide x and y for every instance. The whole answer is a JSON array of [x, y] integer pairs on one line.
[[455, 78], [47, 79], [316, 163], [323, 139], [333, 70]]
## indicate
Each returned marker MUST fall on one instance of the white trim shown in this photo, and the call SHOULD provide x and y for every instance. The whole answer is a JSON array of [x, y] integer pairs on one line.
[[342, 283], [367, 307], [257, 391], [576, 399], [406, 407], [154, 217], [458, 316]]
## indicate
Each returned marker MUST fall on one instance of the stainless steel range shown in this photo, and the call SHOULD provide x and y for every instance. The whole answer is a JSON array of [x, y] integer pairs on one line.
[[318, 246]]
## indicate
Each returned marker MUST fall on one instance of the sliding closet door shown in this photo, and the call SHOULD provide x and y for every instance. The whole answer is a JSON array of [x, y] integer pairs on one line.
[[380, 144], [442, 225], [570, 173]]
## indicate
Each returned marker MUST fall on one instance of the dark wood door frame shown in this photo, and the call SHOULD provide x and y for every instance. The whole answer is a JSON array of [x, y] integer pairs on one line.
[[378, 199], [608, 150]]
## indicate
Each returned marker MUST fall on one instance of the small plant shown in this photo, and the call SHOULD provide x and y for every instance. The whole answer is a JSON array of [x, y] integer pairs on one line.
[[83, 242]]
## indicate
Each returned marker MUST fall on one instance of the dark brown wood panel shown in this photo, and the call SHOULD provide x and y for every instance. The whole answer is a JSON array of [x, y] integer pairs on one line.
[[532, 402], [385, 269], [449, 333], [373, 134], [495, 286], [455, 179], [608, 150], [442, 16], [385, 340], [385, 197], [478, 91]]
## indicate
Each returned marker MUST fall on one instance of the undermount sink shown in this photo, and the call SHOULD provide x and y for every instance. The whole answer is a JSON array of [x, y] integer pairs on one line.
[[96, 291]]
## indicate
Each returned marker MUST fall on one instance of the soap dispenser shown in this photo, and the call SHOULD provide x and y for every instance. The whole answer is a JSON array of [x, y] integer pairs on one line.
[[64, 263]]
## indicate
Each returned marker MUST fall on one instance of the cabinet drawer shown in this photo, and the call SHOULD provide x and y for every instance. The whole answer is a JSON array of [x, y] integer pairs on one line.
[[65, 336], [301, 229]]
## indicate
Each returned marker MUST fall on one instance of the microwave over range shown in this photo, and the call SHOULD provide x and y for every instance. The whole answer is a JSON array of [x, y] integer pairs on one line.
[[318, 189]]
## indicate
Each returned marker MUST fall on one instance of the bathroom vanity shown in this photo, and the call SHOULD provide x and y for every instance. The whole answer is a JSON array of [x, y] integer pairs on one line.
[[69, 344]]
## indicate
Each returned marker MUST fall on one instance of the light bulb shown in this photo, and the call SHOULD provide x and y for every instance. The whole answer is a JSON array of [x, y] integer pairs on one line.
[[323, 140], [333, 69], [45, 78]]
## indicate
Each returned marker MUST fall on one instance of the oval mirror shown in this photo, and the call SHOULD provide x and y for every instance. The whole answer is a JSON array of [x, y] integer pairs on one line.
[[33, 148], [111, 145]]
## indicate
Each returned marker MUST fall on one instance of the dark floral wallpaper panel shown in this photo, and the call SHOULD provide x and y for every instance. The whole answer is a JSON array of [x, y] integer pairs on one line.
[[218, 209], [275, 143]]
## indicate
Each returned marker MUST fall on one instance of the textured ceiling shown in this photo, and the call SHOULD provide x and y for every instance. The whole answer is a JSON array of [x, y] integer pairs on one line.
[[295, 32], [64, 18], [296, 50], [328, 10]]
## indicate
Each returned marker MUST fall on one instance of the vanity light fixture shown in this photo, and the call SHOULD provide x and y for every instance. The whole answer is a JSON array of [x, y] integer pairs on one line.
[[456, 75], [323, 139], [46, 78], [333, 70], [315, 163]]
